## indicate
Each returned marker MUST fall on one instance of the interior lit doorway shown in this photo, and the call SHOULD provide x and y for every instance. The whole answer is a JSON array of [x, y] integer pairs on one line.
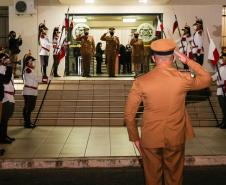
[[125, 25]]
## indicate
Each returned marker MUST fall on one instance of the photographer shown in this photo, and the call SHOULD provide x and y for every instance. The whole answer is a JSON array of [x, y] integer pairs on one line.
[[14, 44], [7, 98]]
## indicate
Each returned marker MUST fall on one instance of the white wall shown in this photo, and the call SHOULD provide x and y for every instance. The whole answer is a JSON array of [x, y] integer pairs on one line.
[[27, 26]]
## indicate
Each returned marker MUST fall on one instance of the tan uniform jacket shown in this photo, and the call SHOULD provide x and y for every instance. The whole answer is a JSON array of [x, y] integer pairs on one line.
[[112, 43], [87, 44], [137, 51], [163, 91], [137, 47]]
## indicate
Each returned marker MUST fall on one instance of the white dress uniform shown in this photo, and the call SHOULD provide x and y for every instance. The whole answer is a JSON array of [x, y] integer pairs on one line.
[[220, 93], [44, 55], [8, 103], [56, 45], [197, 44], [30, 92], [45, 46], [220, 83], [9, 91], [185, 45], [30, 82]]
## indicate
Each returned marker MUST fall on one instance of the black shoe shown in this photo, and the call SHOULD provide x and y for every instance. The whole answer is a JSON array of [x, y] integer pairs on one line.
[[10, 138], [223, 126], [29, 125], [2, 151], [5, 141], [56, 75]]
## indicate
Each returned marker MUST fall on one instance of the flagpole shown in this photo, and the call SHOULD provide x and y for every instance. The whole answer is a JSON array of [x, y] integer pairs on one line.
[[178, 28]]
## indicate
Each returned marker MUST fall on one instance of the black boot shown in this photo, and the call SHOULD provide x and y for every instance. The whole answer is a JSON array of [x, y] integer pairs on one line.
[[223, 126], [2, 151]]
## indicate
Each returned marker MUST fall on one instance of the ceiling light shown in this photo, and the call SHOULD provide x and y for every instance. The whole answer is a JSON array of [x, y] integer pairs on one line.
[[129, 20], [80, 20], [143, 1], [89, 1]]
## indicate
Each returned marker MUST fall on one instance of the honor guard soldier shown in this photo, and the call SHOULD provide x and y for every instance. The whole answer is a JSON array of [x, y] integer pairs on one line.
[[111, 50], [137, 53], [56, 49], [2, 74], [44, 50], [30, 90], [185, 43], [87, 51], [220, 77], [165, 125], [14, 44], [8, 100], [197, 43]]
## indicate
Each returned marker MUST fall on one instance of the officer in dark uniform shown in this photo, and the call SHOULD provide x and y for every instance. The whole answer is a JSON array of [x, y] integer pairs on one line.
[[111, 50], [14, 44]]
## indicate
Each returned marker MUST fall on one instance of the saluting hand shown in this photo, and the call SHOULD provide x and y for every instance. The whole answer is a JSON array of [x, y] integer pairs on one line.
[[181, 56]]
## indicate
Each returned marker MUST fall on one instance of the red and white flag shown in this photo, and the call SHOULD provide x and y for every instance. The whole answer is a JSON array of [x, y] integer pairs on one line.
[[159, 26], [213, 54], [175, 26], [61, 54]]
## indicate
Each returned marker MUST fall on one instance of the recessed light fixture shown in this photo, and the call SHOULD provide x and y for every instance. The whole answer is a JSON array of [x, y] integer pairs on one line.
[[89, 1], [80, 19], [129, 20], [143, 1]]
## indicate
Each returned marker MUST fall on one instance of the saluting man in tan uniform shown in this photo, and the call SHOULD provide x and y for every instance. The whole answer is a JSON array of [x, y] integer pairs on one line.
[[87, 51], [165, 124], [111, 50], [137, 52]]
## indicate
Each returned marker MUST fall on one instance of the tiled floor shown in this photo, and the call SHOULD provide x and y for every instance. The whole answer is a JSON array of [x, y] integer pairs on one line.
[[52, 142]]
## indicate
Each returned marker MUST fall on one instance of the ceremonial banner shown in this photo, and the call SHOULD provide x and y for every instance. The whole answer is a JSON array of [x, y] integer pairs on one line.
[[213, 54]]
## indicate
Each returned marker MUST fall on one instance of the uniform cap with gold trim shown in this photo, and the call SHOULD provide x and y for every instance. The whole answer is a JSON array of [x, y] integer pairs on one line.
[[163, 47]]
